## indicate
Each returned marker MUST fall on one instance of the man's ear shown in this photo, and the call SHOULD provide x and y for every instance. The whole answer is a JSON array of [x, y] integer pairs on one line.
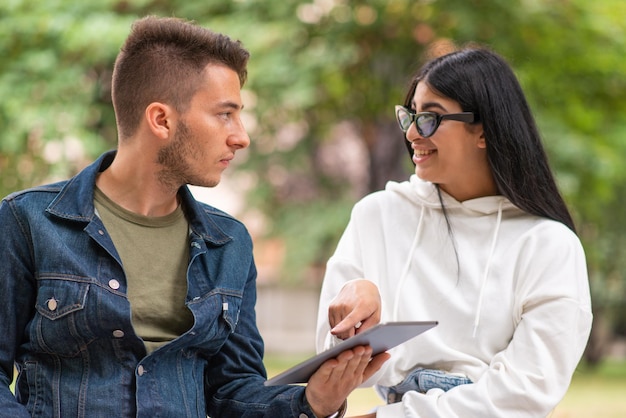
[[159, 119]]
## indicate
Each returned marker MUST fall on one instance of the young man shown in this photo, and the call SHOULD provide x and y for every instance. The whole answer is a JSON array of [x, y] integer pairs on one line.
[[124, 296]]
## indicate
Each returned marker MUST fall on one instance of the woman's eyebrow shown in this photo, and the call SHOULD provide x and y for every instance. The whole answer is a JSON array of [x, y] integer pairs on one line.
[[428, 106], [432, 105]]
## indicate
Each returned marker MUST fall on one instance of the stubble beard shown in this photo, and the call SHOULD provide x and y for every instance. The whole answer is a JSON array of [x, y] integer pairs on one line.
[[174, 157]]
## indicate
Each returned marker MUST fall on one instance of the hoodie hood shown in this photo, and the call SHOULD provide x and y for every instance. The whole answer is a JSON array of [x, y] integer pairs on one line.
[[424, 196], [424, 193]]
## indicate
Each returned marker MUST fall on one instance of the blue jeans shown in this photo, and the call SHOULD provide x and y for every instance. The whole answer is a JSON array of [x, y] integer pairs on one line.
[[422, 380]]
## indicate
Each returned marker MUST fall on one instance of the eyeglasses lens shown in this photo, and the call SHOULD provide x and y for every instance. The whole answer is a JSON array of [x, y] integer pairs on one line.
[[405, 119], [426, 124]]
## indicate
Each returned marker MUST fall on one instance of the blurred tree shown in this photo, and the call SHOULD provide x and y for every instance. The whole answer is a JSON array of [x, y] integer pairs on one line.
[[54, 77], [324, 77]]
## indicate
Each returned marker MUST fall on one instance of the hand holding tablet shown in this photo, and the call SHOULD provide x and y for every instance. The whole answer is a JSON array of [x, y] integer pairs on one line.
[[381, 337]]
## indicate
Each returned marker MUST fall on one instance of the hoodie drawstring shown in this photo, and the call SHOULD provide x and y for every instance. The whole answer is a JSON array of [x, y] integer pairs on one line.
[[486, 274], [407, 265]]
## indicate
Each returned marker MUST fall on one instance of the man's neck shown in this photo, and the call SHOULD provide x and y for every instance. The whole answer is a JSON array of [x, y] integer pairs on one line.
[[131, 183]]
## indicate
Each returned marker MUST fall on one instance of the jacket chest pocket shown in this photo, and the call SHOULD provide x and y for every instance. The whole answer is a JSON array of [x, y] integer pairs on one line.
[[61, 324], [216, 315]]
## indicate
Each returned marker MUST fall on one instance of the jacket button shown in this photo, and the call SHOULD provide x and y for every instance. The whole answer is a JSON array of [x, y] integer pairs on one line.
[[140, 370], [118, 333], [114, 284], [303, 415], [52, 304]]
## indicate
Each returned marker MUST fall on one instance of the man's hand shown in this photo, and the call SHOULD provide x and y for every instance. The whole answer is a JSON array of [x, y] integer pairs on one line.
[[355, 309], [331, 384]]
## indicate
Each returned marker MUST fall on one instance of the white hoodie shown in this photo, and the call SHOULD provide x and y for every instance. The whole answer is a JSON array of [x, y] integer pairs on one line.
[[509, 289]]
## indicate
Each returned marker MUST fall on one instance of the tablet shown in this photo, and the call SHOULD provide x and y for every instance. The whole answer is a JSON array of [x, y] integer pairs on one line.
[[381, 337]]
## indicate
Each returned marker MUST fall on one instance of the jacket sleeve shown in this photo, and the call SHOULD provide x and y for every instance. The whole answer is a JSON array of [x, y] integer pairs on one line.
[[532, 374], [17, 290], [238, 390]]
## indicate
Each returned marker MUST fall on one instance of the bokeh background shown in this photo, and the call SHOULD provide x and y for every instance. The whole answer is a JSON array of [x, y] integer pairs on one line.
[[323, 79]]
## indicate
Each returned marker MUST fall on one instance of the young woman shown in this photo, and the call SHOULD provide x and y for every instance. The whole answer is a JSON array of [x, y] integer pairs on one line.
[[478, 239]]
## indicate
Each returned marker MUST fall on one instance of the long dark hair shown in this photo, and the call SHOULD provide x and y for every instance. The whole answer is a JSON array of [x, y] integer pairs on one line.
[[483, 82]]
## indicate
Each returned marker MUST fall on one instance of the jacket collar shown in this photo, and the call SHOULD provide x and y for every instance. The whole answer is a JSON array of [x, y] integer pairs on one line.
[[75, 202]]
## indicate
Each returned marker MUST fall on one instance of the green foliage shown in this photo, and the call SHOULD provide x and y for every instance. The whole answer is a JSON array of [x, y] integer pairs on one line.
[[316, 64], [53, 78], [309, 231]]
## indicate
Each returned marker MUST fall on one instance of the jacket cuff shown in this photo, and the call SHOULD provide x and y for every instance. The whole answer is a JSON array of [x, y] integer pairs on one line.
[[307, 411], [342, 411]]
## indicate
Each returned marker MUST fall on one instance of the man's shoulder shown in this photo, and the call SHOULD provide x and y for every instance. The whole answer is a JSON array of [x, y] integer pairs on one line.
[[44, 191], [223, 220], [212, 211]]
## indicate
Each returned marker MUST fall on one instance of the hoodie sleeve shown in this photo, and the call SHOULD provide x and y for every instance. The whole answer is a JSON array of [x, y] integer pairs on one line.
[[345, 265], [344, 269]]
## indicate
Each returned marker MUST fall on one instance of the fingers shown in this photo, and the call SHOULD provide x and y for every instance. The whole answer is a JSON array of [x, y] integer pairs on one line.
[[347, 364], [336, 378], [352, 367], [375, 364], [360, 363], [357, 363], [347, 327], [354, 363], [356, 308]]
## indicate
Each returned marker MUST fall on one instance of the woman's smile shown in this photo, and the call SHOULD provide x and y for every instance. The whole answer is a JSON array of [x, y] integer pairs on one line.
[[420, 155]]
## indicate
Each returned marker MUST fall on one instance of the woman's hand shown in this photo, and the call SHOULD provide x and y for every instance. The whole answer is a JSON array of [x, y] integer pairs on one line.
[[355, 309], [331, 384]]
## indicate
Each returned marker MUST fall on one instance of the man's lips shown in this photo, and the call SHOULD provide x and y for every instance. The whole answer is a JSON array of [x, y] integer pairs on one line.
[[226, 160]]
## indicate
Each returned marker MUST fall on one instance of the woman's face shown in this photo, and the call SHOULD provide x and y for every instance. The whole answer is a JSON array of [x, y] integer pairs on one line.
[[455, 156]]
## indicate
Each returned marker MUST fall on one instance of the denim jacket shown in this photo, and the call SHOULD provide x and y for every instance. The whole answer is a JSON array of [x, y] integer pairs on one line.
[[65, 319]]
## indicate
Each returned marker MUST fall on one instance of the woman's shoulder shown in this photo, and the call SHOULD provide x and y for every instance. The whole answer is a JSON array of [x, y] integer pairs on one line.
[[382, 201], [412, 193], [546, 235]]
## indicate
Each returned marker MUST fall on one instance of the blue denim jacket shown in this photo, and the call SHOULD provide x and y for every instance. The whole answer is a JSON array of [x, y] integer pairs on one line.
[[67, 325]]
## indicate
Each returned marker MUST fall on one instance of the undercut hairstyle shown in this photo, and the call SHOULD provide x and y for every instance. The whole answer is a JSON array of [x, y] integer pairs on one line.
[[163, 60], [483, 82]]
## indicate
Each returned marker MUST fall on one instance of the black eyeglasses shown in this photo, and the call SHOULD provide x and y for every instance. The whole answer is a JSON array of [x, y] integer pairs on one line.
[[428, 122]]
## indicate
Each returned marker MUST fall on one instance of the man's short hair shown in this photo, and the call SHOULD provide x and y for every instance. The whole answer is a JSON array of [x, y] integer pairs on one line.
[[163, 60]]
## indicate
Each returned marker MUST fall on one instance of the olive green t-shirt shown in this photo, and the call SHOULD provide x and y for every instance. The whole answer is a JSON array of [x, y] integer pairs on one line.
[[155, 254]]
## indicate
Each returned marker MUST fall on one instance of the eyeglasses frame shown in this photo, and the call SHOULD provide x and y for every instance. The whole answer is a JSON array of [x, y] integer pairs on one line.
[[467, 117]]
